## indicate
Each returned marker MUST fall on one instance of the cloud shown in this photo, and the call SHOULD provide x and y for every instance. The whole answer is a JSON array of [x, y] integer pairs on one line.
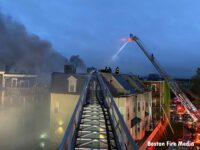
[[82, 27]]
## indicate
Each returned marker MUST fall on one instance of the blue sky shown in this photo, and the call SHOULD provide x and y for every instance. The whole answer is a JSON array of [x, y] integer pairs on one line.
[[93, 28]]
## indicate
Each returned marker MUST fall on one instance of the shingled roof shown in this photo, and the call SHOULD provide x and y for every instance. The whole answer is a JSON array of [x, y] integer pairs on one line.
[[59, 82], [124, 85], [135, 82]]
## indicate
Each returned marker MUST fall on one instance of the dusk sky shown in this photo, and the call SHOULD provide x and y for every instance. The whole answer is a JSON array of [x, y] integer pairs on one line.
[[93, 29]]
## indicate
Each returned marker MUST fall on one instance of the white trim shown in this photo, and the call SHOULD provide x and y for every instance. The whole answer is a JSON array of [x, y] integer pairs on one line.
[[19, 75], [2, 72]]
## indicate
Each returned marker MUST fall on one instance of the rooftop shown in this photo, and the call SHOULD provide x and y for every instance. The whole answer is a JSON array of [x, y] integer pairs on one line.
[[59, 82], [123, 84]]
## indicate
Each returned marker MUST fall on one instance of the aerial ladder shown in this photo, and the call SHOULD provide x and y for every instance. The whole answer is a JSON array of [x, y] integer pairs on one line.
[[189, 107]]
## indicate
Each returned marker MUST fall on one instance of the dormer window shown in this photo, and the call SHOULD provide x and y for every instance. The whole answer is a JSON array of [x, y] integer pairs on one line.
[[72, 81]]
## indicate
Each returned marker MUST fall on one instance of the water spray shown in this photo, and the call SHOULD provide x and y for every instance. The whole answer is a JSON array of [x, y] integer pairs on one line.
[[130, 39], [119, 51]]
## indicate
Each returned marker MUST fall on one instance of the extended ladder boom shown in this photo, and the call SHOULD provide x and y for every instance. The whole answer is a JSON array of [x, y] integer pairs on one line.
[[190, 108]]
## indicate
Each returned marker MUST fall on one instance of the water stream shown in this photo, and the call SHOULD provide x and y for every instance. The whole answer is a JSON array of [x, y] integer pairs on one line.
[[119, 51]]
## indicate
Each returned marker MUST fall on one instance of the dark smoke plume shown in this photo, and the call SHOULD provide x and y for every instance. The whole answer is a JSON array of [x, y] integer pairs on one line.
[[77, 61], [24, 52]]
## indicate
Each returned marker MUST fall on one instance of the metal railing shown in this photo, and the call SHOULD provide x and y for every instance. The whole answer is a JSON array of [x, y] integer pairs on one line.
[[124, 138], [68, 141], [122, 134]]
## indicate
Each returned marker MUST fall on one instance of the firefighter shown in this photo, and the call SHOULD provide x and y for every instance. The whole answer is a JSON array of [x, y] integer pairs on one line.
[[152, 57], [109, 70], [117, 70], [106, 69]]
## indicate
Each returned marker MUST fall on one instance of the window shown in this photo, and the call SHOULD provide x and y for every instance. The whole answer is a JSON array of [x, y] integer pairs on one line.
[[153, 87], [27, 83], [71, 88], [14, 82], [72, 81], [143, 106], [139, 106], [133, 103], [128, 115], [56, 109], [132, 131], [22, 83]]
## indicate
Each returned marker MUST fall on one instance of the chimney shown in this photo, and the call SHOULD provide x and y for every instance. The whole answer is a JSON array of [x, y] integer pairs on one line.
[[69, 69], [7, 69]]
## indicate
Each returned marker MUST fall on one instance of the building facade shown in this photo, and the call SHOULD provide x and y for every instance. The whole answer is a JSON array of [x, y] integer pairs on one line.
[[134, 101], [161, 97], [65, 92], [24, 110], [15, 87]]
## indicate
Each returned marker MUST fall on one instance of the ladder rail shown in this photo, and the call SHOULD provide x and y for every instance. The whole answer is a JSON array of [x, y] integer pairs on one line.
[[125, 139], [68, 140], [122, 133]]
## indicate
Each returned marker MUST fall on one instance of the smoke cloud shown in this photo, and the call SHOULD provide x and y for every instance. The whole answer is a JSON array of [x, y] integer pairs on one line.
[[78, 63], [24, 52]]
